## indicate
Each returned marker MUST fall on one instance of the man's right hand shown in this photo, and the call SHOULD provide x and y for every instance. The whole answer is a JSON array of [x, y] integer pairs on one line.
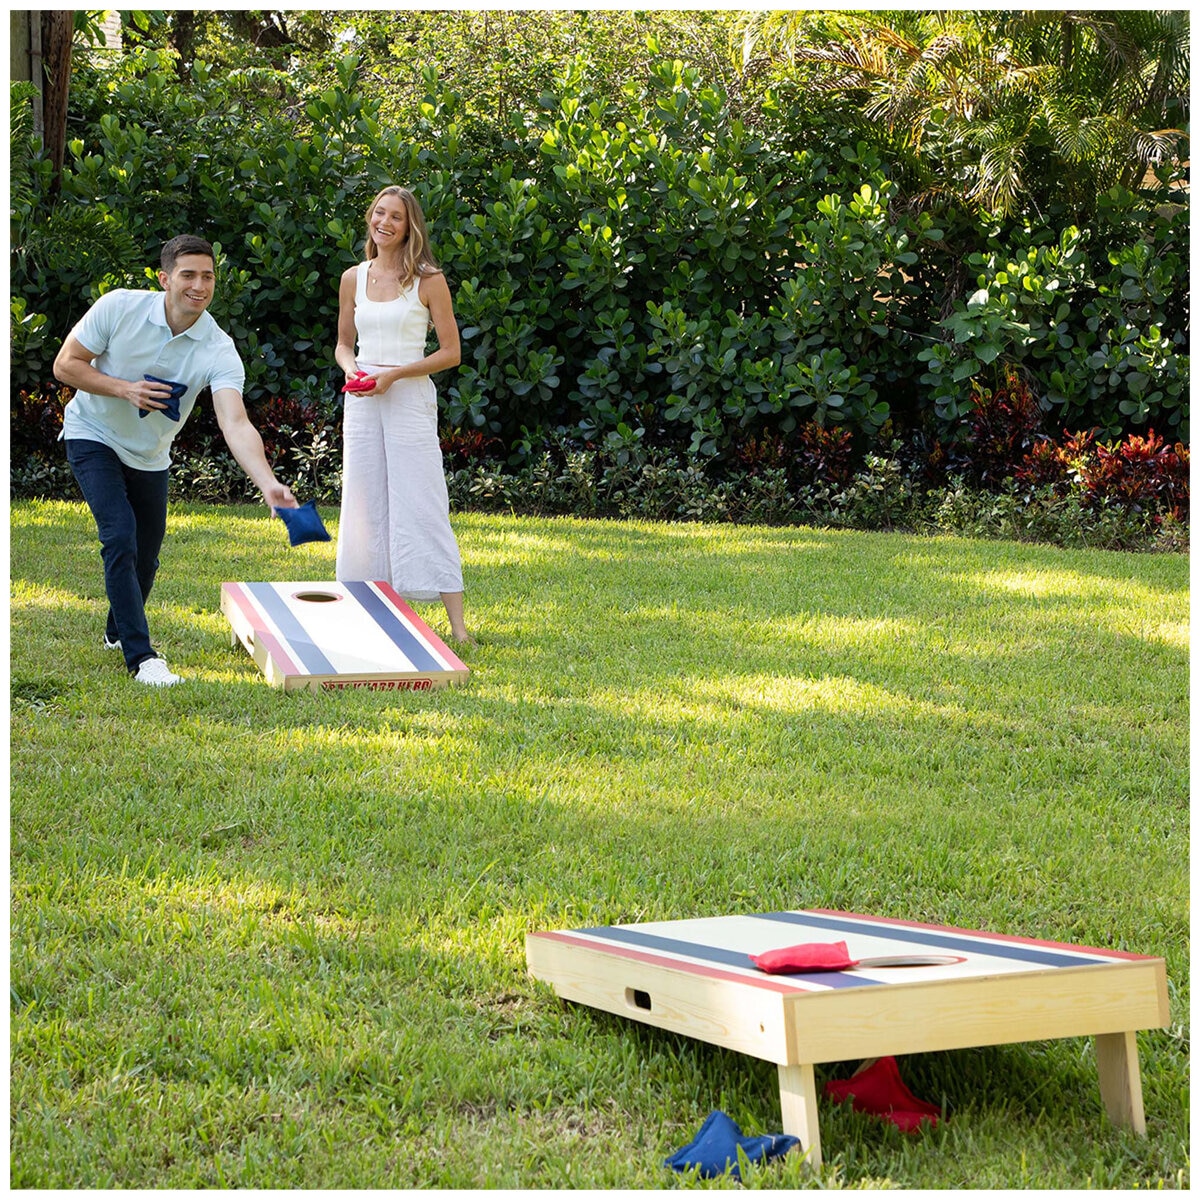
[[73, 366], [143, 393]]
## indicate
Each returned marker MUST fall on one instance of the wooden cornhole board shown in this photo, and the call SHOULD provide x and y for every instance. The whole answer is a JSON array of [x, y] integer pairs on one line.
[[337, 635], [694, 977]]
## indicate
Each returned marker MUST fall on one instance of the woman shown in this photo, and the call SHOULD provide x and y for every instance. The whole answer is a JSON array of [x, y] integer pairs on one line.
[[395, 518]]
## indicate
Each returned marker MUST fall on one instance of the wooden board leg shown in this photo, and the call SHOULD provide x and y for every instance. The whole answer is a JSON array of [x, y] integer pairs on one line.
[[798, 1100], [1121, 1079]]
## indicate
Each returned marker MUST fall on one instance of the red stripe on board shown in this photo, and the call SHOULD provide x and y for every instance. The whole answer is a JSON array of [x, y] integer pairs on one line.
[[390, 594], [255, 616], [981, 933], [616, 950]]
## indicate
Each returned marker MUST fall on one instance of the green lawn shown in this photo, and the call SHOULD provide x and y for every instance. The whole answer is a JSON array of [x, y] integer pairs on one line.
[[277, 940]]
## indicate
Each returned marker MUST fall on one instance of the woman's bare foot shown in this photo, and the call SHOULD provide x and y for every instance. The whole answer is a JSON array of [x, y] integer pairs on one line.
[[454, 610]]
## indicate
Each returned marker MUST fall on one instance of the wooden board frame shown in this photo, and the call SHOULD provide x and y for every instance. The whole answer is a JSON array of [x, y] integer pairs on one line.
[[328, 636], [1010, 990]]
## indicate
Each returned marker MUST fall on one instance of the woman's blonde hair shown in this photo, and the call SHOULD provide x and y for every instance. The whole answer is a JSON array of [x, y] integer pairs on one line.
[[416, 257]]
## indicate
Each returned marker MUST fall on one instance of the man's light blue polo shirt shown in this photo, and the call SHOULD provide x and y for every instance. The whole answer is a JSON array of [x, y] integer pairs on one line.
[[127, 331]]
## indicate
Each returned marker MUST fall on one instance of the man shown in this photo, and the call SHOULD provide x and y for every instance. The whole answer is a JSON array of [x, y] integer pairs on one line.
[[118, 432]]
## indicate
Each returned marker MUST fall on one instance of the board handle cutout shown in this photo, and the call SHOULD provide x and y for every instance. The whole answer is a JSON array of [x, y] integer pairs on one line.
[[636, 998]]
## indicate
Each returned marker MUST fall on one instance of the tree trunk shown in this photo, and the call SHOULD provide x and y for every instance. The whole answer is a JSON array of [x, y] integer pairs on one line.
[[57, 33], [183, 38]]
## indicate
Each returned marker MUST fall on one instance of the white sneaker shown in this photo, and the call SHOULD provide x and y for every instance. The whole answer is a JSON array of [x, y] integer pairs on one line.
[[156, 673], [111, 645]]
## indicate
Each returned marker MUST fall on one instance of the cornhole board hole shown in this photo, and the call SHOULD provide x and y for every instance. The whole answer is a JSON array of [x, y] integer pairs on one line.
[[694, 977], [337, 635]]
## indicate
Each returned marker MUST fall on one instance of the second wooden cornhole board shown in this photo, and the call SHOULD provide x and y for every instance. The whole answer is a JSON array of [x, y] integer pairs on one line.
[[337, 635], [694, 977]]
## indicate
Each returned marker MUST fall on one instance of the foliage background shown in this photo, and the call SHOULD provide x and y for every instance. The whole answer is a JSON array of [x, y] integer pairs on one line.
[[666, 237]]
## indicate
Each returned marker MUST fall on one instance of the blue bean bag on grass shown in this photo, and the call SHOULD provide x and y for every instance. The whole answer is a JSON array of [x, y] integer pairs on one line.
[[715, 1148]]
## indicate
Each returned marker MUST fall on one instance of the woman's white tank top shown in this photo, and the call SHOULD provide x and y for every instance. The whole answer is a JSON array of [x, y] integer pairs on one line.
[[391, 333]]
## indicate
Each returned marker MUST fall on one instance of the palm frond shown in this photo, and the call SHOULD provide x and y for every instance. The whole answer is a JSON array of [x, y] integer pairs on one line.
[[999, 181], [979, 94], [1078, 140], [1153, 146], [769, 32]]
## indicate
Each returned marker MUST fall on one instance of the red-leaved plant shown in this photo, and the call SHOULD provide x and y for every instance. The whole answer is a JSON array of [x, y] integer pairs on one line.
[[1141, 472], [1003, 425], [463, 447], [825, 455]]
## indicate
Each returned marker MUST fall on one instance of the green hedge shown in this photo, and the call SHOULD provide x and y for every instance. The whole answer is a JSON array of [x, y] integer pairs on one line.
[[1007, 480], [653, 273]]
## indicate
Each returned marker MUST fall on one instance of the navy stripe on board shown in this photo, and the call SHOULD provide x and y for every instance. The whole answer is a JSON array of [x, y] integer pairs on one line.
[[273, 604], [925, 938], [408, 643], [727, 958]]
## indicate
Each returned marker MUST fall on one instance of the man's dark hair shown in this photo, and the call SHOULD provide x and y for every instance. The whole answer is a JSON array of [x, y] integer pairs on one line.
[[185, 243]]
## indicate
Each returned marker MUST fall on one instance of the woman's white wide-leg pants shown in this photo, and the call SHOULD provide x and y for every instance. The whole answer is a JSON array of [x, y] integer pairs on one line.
[[395, 518]]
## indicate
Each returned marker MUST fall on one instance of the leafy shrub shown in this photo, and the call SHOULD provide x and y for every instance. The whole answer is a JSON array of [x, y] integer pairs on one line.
[[634, 267], [719, 370], [36, 420], [880, 496], [1043, 515], [209, 474], [462, 447], [1094, 326], [1050, 464], [1129, 495], [1020, 300], [824, 455], [1136, 338], [1140, 370], [815, 455], [27, 344], [854, 294], [37, 463], [45, 478], [1003, 423], [1141, 473]]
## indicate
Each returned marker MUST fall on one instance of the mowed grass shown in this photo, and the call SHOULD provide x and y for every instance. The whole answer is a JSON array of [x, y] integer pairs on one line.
[[277, 940]]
